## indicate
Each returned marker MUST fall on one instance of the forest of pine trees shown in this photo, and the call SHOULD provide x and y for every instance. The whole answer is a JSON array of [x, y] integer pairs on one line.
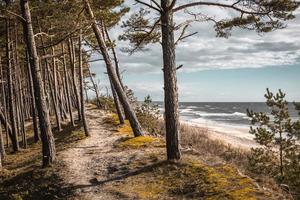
[[45, 51]]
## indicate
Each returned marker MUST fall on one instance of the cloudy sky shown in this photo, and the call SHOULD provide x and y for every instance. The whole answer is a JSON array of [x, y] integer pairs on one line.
[[217, 69]]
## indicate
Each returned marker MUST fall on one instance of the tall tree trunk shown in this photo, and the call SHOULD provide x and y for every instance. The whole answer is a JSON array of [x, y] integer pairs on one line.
[[33, 106], [7, 126], [136, 127], [4, 103], [69, 103], [52, 79], [55, 91], [18, 89], [116, 99], [2, 149], [81, 79], [170, 82], [48, 144], [53, 97], [72, 55], [116, 60], [11, 98]]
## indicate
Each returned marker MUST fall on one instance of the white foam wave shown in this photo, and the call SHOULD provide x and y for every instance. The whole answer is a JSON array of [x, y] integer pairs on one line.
[[187, 110], [222, 114], [191, 107]]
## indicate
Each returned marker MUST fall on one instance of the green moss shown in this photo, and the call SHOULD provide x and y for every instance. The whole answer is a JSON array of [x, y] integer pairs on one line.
[[112, 119], [138, 142], [125, 129], [189, 179]]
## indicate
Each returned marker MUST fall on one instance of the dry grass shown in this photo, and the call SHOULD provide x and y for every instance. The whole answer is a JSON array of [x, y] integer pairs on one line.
[[139, 142], [155, 178], [215, 177], [23, 177], [199, 140], [196, 141]]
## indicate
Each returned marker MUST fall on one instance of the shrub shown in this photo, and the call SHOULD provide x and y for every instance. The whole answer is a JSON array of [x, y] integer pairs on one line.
[[279, 154], [148, 115]]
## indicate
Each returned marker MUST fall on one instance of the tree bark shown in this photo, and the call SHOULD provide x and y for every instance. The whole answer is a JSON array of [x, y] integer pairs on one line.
[[81, 78], [52, 79], [7, 126], [4, 103], [117, 103], [48, 145], [170, 82], [69, 103], [116, 99], [72, 56], [2, 149], [11, 99], [136, 127], [33, 106]]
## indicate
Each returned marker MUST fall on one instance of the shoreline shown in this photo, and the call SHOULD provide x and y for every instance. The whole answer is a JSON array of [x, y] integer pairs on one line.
[[236, 136]]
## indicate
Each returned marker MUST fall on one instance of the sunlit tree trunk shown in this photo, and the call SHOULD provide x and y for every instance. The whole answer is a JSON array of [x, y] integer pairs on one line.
[[170, 82], [72, 55], [136, 127], [48, 145], [81, 84]]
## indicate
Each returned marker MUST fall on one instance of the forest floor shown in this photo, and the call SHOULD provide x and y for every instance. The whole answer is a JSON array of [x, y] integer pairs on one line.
[[112, 164]]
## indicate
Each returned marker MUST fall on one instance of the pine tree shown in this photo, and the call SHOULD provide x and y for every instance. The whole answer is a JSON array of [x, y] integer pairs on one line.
[[142, 29], [279, 155]]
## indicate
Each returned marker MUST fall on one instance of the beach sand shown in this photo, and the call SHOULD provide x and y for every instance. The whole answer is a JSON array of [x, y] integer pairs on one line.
[[234, 135]]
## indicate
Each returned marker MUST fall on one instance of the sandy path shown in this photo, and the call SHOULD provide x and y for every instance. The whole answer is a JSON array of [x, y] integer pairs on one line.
[[94, 163], [88, 160]]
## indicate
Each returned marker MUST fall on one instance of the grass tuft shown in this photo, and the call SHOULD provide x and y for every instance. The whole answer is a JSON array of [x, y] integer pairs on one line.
[[189, 179], [139, 142]]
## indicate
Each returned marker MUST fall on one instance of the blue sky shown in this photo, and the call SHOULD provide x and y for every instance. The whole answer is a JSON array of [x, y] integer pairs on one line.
[[237, 69], [229, 85]]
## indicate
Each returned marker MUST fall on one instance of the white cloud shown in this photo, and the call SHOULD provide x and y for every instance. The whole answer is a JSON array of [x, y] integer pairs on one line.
[[244, 49]]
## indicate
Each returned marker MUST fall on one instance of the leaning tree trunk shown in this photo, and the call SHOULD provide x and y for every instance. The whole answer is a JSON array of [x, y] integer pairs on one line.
[[81, 78], [136, 127], [48, 144], [170, 82], [116, 99], [11, 99], [117, 103]]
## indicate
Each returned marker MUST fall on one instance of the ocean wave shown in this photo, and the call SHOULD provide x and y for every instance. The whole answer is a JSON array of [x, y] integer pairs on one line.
[[206, 114], [191, 107], [222, 114], [187, 110]]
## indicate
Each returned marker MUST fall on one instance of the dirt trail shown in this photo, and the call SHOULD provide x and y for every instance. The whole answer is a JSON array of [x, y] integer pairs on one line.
[[93, 162], [95, 169]]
